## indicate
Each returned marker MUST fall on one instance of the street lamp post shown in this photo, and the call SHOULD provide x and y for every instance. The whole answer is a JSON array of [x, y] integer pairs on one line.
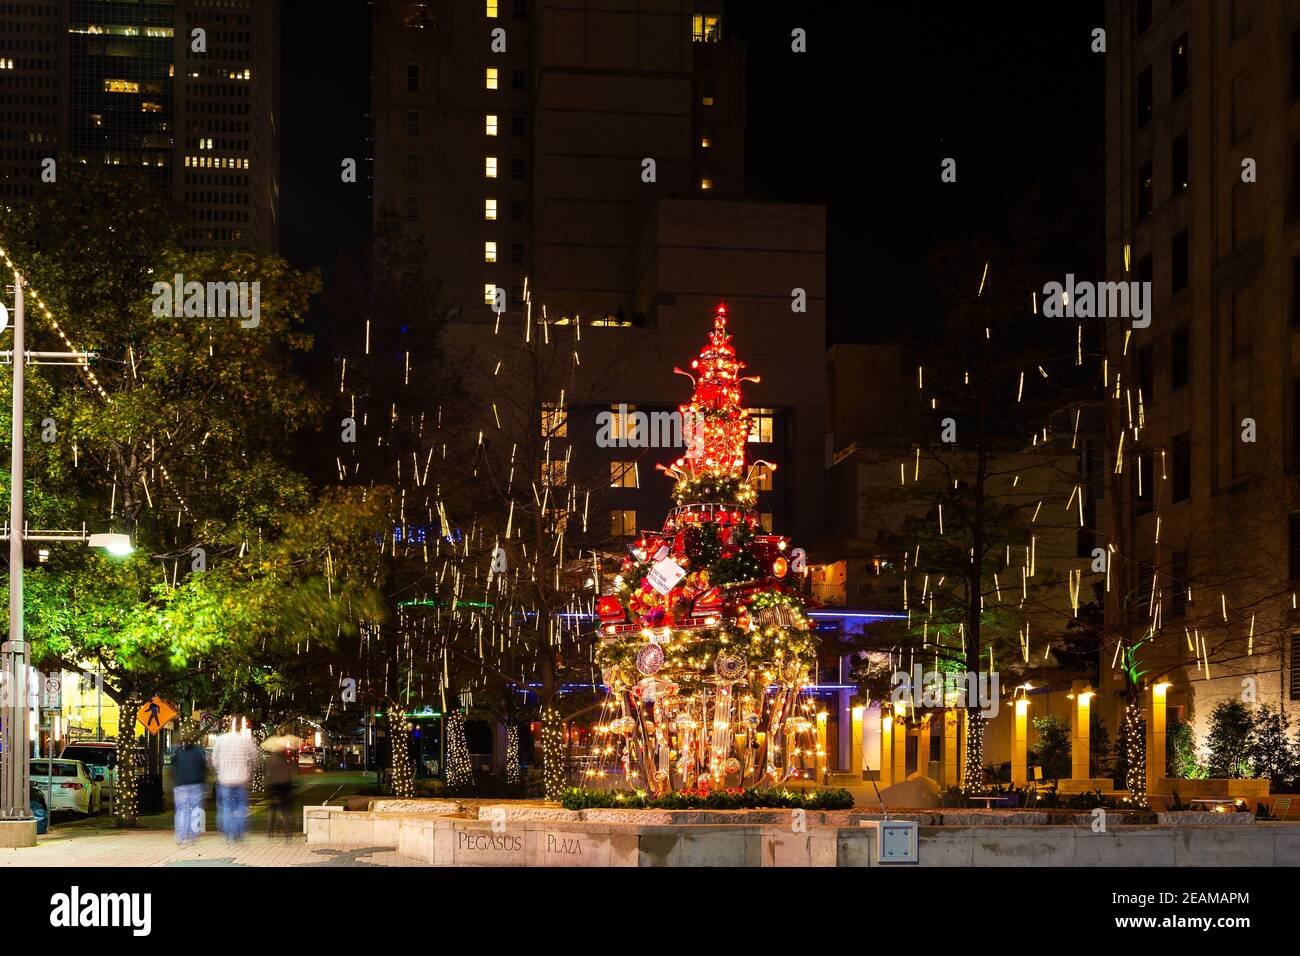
[[15, 765], [15, 801]]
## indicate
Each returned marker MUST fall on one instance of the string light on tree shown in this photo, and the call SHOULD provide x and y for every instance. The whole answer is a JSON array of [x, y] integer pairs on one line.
[[459, 771], [399, 735], [553, 777]]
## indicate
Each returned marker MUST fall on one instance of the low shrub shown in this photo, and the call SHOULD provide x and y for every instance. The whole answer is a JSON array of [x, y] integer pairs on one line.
[[734, 798]]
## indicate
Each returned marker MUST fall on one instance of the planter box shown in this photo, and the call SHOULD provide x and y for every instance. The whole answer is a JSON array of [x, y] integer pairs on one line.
[[1182, 818], [1214, 787]]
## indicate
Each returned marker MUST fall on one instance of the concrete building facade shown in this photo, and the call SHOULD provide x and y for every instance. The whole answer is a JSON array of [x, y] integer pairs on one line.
[[1203, 201]]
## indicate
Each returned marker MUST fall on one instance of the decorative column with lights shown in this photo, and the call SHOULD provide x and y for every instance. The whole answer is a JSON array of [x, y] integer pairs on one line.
[[900, 746], [1081, 731], [1156, 736], [1020, 744], [886, 748], [951, 746]]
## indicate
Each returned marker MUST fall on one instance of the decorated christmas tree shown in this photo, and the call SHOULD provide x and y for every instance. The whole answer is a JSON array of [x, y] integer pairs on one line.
[[704, 645]]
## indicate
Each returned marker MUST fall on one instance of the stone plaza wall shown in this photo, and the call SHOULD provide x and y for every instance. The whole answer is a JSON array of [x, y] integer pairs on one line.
[[535, 840]]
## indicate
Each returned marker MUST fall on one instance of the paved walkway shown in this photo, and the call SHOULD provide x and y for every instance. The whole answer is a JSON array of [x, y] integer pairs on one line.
[[96, 841], [73, 848]]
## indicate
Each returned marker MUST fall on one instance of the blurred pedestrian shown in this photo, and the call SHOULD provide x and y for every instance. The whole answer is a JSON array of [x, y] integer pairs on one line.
[[279, 788], [280, 778], [189, 776], [232, 757]]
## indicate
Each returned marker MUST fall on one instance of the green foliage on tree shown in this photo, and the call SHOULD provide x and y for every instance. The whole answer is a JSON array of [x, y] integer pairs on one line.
[[178, 434], [1101, 756], [1181, 760], [1269, 748], [1052, 749], [1231, 724]]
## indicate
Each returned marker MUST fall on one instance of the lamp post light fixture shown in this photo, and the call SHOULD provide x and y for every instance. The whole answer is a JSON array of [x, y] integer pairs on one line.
[[15, 762]]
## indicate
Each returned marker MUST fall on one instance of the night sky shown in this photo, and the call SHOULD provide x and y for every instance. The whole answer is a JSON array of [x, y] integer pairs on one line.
[[860, 122]]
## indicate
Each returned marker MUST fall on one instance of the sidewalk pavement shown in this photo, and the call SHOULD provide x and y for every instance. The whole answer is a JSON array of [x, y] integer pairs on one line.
[[113, 848]]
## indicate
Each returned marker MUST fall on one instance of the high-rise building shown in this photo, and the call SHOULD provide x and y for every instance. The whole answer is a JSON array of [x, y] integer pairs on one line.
[[185, 90], [1203, 201], [33, 92], [596, 150]]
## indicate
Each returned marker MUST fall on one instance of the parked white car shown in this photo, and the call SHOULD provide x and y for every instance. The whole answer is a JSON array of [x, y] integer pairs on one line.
[[68, 786]]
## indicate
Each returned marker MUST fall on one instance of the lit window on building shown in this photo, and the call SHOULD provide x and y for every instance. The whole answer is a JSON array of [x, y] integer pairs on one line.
[[706, 142], [6, 64], [555, 472], [622, 523], [762, 477], [706, 184], [760, 424], [492, 9], [706, 29], [491, 77], [121, 86], [490, 167], [490, 209], [489, 251], [623, 474], [489, 293], [555, 421], [147, 106], [490, 124], [622, 422]]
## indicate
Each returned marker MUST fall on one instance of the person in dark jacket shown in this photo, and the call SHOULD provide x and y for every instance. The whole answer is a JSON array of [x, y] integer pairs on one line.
[[189, 777], [279, 787]]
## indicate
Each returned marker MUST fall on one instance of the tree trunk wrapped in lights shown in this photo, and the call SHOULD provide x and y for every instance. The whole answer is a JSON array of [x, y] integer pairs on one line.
[[1135, 750], [973, 771], [126, 780], [1135, 730], [513, 775], [704, 644], [403, 770], [553, 776], [459, 772], [257, 782]]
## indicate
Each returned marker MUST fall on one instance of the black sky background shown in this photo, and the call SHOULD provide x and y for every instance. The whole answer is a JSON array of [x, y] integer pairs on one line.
[[859, 122]]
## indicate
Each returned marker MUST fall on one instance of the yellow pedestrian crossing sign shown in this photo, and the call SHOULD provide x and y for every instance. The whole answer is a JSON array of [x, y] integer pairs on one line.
[[155, 715]]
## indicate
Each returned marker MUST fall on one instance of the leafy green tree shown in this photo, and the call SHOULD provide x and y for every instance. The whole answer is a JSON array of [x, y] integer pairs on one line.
[[178, 434], [1180, 751], [1269, 748], [1101, 757], [1052, 749], [1231, 724]]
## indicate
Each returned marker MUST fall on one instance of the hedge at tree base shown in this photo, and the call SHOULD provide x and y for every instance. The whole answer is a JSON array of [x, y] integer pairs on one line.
[[754, 798]]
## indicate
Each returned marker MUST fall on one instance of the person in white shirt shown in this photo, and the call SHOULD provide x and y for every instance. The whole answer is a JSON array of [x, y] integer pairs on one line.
[[232, 759]]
